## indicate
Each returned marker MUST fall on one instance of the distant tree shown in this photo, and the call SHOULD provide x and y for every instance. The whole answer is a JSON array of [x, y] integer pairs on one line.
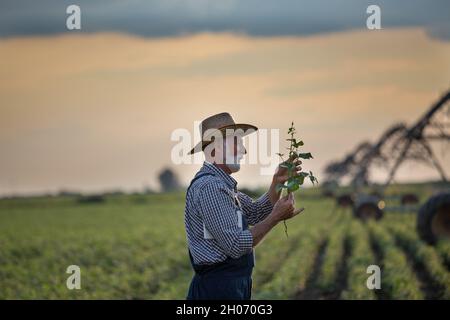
[[68, 193], [168, 180], [92, 198]]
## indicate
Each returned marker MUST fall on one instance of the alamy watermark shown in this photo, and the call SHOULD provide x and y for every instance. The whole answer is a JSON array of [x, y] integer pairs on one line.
[[373, 21], [374, 280], [73, 21], [74, 280], [260, 147]]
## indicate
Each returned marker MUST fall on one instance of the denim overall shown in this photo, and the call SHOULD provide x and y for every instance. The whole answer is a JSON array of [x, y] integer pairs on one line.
[[227, 280]]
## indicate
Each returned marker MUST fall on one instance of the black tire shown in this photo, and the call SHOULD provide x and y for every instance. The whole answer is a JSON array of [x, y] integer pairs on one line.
[[435, 212], [368, 209], [345, 201], [409, 199]]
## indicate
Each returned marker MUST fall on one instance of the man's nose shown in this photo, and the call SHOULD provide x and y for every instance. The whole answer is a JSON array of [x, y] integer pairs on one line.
[[241, 149]]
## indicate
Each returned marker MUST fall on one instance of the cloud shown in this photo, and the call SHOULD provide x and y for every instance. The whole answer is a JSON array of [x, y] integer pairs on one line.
[[96, 112], [162, 18]]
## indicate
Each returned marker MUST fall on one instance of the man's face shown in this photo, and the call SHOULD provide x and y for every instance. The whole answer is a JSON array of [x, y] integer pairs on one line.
[[229, 151], [234, 152]]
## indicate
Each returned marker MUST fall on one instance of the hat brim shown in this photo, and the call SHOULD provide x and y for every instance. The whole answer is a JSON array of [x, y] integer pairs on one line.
[[247, 128]]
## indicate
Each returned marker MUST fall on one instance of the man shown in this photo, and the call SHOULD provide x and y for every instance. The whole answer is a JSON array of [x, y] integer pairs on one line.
[[217, 215]]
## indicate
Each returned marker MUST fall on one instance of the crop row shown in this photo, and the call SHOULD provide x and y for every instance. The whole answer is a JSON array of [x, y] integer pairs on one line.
[[398, 280], [426, 258], [291, 276], [333, 271], [361, 257]]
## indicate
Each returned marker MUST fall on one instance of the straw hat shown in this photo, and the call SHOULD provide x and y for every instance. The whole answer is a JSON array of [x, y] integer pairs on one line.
[[219, 122]]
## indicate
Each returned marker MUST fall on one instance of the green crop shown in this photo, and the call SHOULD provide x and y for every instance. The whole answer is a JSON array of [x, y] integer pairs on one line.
[[295, 180], [134, 247]]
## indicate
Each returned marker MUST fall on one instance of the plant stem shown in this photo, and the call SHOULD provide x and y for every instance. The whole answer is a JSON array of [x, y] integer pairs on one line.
[[289, 172], [285, 229]]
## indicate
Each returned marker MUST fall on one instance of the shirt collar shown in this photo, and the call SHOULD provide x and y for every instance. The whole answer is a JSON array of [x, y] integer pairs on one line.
[[218, 172]]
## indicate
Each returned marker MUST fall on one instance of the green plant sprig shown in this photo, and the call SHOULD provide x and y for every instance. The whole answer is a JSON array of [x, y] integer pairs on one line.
[[294, 180]]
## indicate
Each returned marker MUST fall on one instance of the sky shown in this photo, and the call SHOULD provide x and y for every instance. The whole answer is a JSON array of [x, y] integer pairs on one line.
[[94, 109], [161, 18]]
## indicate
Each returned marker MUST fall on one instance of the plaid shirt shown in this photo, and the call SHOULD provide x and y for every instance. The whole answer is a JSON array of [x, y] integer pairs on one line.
[[211, 204]]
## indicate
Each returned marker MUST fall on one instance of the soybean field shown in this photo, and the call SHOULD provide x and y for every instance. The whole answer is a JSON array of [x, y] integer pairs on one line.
[[134, 247]]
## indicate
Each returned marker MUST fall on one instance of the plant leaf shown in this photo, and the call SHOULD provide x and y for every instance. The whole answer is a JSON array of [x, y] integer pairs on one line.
[[305, 155], [292, 184], [303, 174], [300, 179], [313, 178], [293, 187]]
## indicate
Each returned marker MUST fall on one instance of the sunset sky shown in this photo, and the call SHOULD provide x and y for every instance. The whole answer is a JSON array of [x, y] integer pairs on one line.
[[94, 110]]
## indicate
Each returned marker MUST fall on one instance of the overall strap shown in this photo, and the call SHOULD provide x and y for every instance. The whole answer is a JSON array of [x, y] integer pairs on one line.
[[239, 266]]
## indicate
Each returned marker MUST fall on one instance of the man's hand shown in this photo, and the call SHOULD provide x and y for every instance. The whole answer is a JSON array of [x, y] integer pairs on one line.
[[281, 175], [284, 208]]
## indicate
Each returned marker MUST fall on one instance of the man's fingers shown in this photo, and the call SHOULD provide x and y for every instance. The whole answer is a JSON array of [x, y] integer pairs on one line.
[[295, 160], [296, 212], [291, 199]]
